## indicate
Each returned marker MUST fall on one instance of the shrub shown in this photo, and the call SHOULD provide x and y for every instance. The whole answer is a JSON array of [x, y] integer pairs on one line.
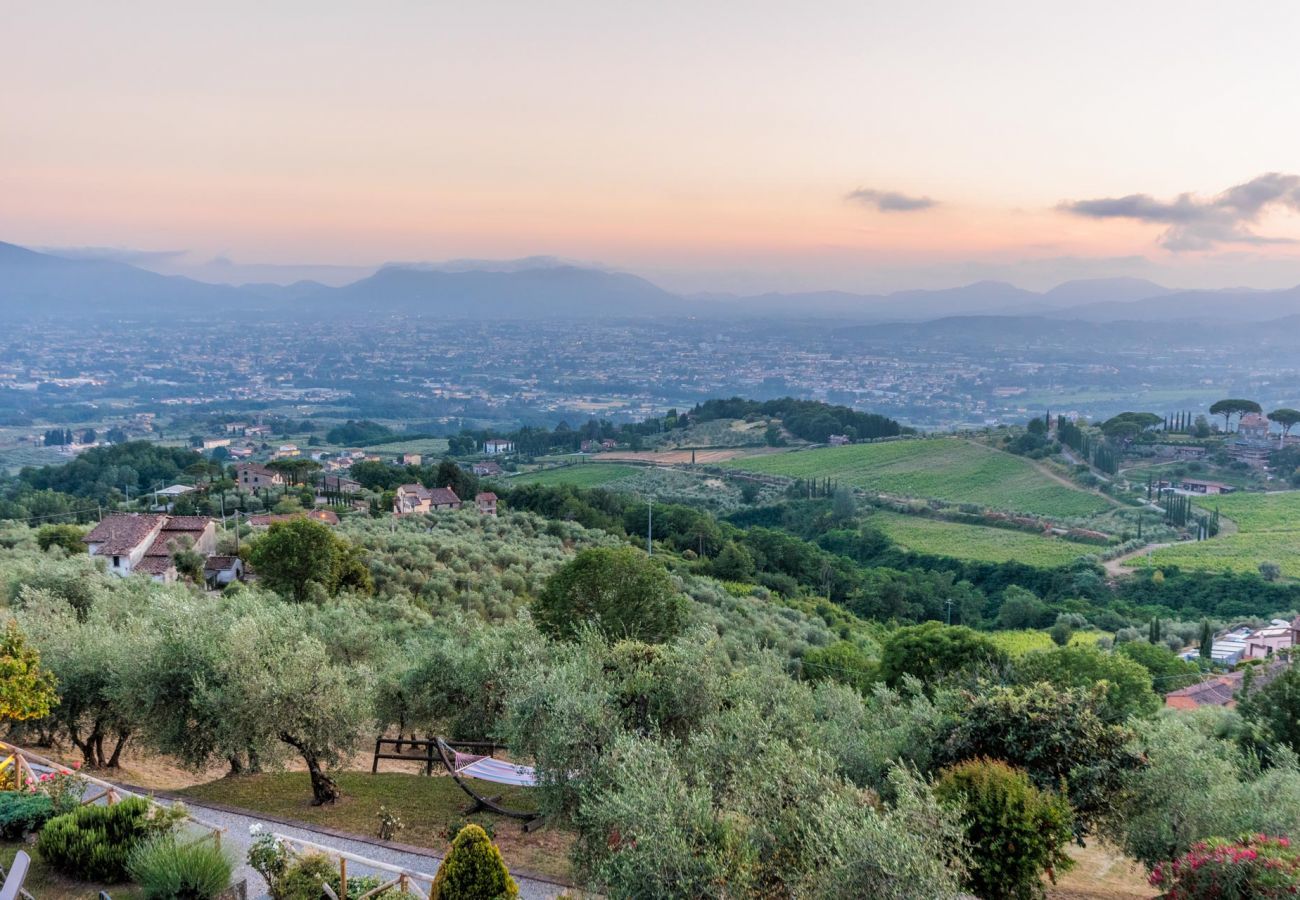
[[1257, 867], [302, 879], [22, 812], [166, 870], [473, 870], [456, 826], [1015, 832], [94, 843]]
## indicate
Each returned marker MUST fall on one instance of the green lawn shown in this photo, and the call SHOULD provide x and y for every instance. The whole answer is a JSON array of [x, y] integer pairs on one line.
[[943, 468], [584, 475], [1268, 531], [977, 542], [427, 805]]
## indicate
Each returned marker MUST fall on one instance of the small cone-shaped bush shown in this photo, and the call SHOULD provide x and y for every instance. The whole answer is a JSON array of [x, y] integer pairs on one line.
[[473, 870]]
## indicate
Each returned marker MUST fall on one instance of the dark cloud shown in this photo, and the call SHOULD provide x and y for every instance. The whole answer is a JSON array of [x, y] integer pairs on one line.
[[117, 254], [889, 201], [1196, 224]]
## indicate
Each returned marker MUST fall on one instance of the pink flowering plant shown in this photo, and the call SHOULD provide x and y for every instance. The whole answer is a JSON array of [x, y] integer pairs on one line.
[[1254, 867], [65, 790]]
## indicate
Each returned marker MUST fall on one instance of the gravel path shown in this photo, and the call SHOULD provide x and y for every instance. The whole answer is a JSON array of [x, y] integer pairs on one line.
[[237, 838]]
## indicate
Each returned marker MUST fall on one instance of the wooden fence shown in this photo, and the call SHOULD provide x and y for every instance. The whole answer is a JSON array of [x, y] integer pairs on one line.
[[419, 883], [24, 764]]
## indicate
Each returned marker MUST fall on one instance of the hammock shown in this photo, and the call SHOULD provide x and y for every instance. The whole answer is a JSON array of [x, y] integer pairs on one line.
[[485, 768], [467, 765]]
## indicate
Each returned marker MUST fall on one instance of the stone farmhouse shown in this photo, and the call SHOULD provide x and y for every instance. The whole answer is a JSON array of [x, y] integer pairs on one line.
[[145, 544], [253, 476], [413, 499]]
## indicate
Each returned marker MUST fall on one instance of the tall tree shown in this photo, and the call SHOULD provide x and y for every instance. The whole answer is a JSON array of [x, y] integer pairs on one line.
[[1233, 407], [1287, 418]]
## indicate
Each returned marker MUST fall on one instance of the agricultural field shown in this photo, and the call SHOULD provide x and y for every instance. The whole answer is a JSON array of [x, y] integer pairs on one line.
[[585, 476], [13, 459], [1268, 530], [977, 542], [429, 447], [1029, 640], [943, 468]]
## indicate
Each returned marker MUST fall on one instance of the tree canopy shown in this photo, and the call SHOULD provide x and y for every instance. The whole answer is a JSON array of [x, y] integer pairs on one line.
[[294, 555], [621, 592], [1233, 407], [932, 651]]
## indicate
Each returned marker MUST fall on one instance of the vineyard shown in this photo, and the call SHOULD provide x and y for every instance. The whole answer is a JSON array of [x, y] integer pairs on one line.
[[1268, 531], [946, 469], [1029, 640], [976, 542]]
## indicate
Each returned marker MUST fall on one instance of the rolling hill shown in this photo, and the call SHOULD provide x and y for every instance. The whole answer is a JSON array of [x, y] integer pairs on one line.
[[948, 469]]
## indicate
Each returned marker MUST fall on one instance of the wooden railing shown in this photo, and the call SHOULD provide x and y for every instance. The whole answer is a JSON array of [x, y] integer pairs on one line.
[[24, 764], [419, 883]]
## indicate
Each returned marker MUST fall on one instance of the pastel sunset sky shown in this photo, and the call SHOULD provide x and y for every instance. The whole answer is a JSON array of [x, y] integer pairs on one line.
[[737, 146]]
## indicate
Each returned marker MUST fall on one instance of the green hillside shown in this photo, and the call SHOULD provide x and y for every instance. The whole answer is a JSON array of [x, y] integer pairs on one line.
[[946, 469], [976, 542]]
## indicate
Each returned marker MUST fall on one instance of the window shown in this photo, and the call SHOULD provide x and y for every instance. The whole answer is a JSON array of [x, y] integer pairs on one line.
[[116, 561]]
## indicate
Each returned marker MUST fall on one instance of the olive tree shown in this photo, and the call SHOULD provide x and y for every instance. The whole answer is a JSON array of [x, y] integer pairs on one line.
[[89, 657]]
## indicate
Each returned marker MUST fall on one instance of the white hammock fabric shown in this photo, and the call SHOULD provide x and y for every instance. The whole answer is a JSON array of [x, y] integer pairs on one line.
[[485, 768]]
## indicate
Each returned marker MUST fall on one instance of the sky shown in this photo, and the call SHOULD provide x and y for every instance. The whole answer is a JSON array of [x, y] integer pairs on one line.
[[709, 146]]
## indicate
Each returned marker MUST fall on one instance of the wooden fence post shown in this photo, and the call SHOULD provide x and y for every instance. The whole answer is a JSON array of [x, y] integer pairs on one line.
[[343, 878]]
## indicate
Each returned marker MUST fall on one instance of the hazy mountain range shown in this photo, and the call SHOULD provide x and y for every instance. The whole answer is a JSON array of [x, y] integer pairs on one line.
[[33, 283]]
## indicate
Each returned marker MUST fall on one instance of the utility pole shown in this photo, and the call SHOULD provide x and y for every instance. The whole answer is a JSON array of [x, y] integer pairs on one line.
[[948, 603], [236, 532], [649, 526]]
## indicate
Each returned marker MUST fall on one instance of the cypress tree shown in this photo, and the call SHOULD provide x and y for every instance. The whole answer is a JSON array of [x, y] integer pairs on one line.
[[1207, 641]]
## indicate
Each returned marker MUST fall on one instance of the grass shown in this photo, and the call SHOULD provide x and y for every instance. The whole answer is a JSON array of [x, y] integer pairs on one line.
[[584, 475], [1268, 530], [426, 806], [46, 884], [945, 469], [977, 542]]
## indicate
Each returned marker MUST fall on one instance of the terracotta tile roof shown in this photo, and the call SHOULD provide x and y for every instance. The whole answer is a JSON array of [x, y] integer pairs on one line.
[[443, 495], [120, 534], [219, 563], [154, 565], [1221, 689], [485, 497], [1215, 692], [187, 523]]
